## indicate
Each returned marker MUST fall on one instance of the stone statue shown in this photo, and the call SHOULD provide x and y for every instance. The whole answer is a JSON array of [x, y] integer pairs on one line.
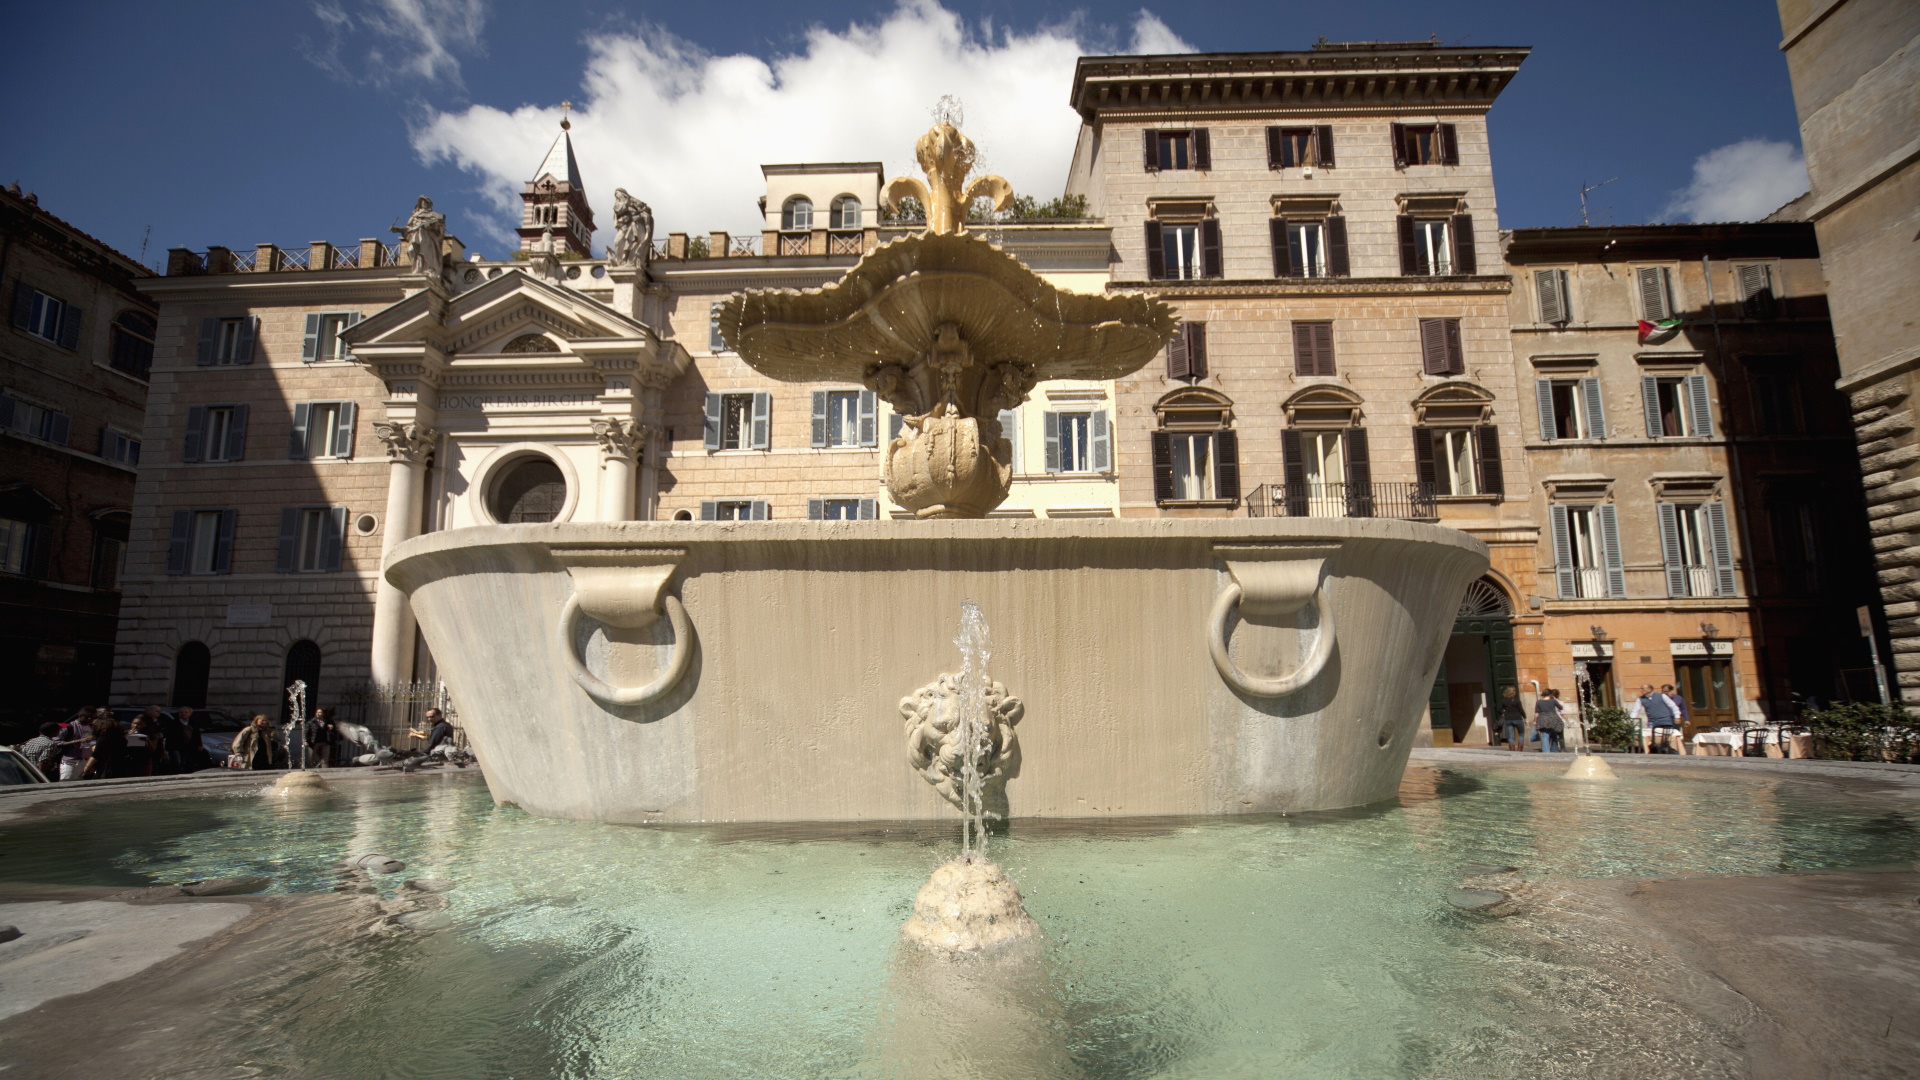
[[934, 738], [424, 232], [947, 157], [633, 231]]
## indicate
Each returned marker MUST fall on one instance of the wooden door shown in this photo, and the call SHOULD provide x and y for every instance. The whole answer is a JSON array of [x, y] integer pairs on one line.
[[1708, 688]]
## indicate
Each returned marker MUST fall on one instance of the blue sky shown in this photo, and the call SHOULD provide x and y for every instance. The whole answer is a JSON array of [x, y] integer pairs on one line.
[[241, 123]]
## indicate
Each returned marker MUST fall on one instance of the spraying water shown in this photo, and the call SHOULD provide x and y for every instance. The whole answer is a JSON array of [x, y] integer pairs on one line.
[[975, 730]]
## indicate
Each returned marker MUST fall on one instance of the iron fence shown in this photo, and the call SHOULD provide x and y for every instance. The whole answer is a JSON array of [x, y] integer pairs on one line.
[[390, 710], [1413, 502]]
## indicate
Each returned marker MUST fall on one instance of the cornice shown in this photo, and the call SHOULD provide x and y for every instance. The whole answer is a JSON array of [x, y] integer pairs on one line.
[[1379, 79], [1485, 284], [292, 287]]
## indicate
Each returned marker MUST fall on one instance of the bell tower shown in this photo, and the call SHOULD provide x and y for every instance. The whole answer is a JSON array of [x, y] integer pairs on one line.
[[555, 201]]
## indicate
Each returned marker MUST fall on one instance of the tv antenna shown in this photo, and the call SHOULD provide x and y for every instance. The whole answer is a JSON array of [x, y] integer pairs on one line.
[[1585, 221], [144, 237]]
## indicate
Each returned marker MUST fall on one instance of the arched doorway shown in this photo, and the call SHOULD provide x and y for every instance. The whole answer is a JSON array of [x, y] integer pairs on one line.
[[1478, 664], [303, 662], [192, 665]]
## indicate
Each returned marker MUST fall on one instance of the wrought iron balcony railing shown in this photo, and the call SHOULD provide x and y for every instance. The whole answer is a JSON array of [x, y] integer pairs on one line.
[[1413, 502]]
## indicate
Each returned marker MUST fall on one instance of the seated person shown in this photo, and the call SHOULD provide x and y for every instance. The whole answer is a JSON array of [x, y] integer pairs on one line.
[[439, 733]]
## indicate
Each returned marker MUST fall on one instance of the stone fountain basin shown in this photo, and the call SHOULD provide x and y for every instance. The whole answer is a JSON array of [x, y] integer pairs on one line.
[[804, 637]]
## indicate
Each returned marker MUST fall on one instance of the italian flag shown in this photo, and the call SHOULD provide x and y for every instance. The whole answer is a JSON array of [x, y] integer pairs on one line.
[[1653, 333]]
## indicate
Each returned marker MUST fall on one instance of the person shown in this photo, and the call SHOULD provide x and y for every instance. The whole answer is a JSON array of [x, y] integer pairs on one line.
[[145, 745], [1550, 721], [253, 747], [1662, 720], [1679, 702], [438, 730], [109, 750], [76, 742], [44, 750], [321, 737], [185, 751], [1513, 719]]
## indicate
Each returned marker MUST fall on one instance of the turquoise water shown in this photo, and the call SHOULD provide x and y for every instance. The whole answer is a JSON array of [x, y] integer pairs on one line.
[[1312, 946]]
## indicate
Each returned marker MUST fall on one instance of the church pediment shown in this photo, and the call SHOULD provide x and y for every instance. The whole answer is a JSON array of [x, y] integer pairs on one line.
[[502, 311]]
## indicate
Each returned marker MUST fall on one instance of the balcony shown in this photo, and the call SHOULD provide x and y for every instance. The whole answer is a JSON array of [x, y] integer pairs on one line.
[[1411, 502]]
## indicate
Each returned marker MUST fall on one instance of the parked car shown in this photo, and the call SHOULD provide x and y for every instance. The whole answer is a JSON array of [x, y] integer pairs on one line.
[[16, 769], [217, 727]]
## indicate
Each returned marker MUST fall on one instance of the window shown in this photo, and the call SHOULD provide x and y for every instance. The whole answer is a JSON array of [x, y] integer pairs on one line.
[[1696, 549], [1550, 287], [1432, 247], [1796, 550], [1190, 149], [18, 539], [1440, 349], [1313, 348], [322, 338], [1459, 461], [1196, 453], [1316, 463], [849, 509], [28, 418], [45, 316], [117, 447], [323, 429], [1676, 406], [1425, 144], [1571, 409], [1586, 552], [132, 347], [201, 542], [532, 489], [716, 342], [797, 214], [216, 433], [738, 421], [733, 510], [1193, 476], [846, 213], [845, 418], [1183, 250], [1655, 287], [109, 551], [1187, 352], [1078, 442], [1776, 395], [1310, 248], [1757, 299], [227, 340], [1300, 147], [310, 537]]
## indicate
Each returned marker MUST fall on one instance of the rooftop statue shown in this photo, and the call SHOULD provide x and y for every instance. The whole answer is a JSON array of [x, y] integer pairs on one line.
[[424, 235], [633, 231]]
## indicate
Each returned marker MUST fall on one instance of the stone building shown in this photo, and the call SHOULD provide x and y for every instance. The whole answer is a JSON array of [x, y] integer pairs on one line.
[[1691, 465], [1855, 66], [1325, 224], [74, 361]]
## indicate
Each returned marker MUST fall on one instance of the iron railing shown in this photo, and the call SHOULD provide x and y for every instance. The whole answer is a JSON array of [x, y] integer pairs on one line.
[[795, 243], [846, 243], [1412, 502], [743, 245], [389, 710]]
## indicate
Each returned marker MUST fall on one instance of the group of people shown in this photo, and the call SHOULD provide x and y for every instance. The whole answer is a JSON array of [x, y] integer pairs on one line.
[[1664, 713], [1549, 721], [95, 745]]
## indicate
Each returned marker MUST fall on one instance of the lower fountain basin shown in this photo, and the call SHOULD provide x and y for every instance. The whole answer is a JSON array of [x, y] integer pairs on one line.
[[773, 689]]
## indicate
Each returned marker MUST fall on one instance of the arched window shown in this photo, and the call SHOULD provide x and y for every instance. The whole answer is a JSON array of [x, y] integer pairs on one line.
[[1325, 465], [1456, 447], [797, 214], [192, 666], [846, 213], [303, 663], [1196, 454], [132, 350]]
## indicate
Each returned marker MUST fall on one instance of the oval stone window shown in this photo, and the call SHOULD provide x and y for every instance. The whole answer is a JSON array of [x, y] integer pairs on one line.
[[531, 489]]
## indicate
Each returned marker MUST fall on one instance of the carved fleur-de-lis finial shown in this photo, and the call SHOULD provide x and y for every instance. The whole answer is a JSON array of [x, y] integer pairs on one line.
[[947, 156]]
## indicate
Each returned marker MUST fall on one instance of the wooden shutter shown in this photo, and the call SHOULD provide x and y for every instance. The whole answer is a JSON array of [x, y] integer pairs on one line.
[[1179, 363], [1275, 139], [1156, 253], [1595, 408], [1462, 234], [1652, 281], [1456, 353], [289, 547], [7, 405], [757, 510], [1337, 264], [22, 305], [1323, 146], [353, 319], [1226, 465], [1398, 134], [1723, 580], [1563, 569], [1409, 249], [816, 509], [869, 509], [1699, 406], [1202, 150], [819, 418], [297, 443], [711, 436], [180, 542], [237, 434], [1153, 150], [209, 338], [1102, 441], [70, 317], [223, 548], [869, 418], [1670, 553], [310, 339], [1359, 473], [1433, 346], [1650, 404], [343, 436], [1196, 334], [59, 427], [762, 419], [1052, 421], [1323, 348], [1162, 466], [1543, 394], [1553, 307], [1211, 264], [249, 332], [709, 510], [1293, 471], [1282, 248], [196, 433], [1610, 548], [1423, 470], [1303, 358], [1492, 475], [1449, 145], [1756, 290], [333, 530]]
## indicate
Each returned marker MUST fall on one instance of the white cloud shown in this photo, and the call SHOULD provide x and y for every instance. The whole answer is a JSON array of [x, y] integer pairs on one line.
[[1743, 181], [391, 39], [687, 131], [1152, 37]]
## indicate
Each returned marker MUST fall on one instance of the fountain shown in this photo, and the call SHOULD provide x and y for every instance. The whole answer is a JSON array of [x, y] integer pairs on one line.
[[652, 671]]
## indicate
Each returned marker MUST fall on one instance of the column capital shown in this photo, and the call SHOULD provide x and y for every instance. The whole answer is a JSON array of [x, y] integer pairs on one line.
[[410, 443], [623, 439]]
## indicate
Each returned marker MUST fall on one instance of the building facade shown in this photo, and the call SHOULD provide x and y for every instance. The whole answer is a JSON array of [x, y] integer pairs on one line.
[[1855, 66], [74, 361]]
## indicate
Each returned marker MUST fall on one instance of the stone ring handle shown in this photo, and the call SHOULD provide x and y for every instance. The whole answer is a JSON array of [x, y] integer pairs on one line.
[[606, 693], [1271, 581], [624, 587]]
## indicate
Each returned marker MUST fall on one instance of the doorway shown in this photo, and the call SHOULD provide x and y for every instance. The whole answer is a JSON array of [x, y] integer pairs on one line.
[[303, 662], [192, 666], [1478, 664], [1707, 684]]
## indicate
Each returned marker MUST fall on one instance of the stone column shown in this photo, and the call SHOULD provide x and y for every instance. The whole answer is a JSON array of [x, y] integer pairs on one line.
[[621, 444], [408, 447]]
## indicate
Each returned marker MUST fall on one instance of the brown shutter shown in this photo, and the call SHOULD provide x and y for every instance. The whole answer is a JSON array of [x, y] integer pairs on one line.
[[1359, 473], [1178, 365], [1449, 146], [1456, 356], [1156, 255], [1323, 146], [1226, 465], [1293, 472], [1162, 466], [1399, 137], [1202, 150], [1423, 470], [1282, 257], [1274, 139], [1433, 346], [1409, 253], [1462, 231], [1196, 334], [1211, 264], [1337, 246], [1323, 348], [1303, 359], [1487, 461], [1153, 150]]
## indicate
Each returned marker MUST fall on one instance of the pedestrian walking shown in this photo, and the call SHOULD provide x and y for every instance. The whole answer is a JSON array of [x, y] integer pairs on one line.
[[323, 739], [109, 750], [185, 753], [1550, 722], [76, 745], [146, 748], [1513, 719], [253, 747], [44, 750]]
